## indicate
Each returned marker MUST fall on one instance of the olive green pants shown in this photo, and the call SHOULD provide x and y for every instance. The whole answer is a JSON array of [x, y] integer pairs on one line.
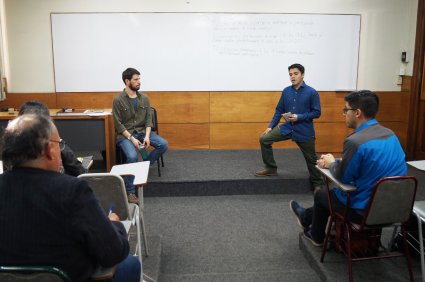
[[307, 148]]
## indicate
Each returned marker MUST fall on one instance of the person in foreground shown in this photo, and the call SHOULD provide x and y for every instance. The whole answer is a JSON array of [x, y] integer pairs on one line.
[[133, 123], [70, 163], [369, 153], [49, 218], [299, 104]]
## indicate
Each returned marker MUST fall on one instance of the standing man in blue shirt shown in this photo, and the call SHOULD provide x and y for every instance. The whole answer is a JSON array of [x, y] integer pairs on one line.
[[299, 104]]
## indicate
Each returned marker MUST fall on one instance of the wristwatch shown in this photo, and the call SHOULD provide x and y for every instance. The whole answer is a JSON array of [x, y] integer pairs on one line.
[[129, 137]]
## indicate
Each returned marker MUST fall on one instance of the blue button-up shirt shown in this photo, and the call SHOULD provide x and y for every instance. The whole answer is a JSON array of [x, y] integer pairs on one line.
[[305, 103]]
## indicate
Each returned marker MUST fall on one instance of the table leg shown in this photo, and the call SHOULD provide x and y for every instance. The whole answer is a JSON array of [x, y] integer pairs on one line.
[[421, 246]]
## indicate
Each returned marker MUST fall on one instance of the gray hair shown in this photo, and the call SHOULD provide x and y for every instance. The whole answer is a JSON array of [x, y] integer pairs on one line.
[[25, 138]]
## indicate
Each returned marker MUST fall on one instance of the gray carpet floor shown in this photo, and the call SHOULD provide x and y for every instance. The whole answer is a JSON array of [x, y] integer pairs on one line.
[[228, 238], [240, 237], [222, 165]]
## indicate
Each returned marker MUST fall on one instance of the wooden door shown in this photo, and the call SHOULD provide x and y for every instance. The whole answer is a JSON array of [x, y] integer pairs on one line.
[[416, 127]]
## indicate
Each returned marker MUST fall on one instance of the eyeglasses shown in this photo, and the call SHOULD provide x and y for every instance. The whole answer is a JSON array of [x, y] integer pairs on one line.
[[61, 143], [345, 110]]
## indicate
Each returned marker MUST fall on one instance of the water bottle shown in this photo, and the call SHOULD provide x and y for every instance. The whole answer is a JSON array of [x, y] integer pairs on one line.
[[143, 152]]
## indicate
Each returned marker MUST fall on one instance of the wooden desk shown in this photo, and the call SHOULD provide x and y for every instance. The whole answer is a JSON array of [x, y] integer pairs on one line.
[[140, 171], [82, 133]]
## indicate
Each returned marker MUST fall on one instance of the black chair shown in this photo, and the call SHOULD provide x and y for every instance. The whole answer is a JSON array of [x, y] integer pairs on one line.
[[155, 128], [390, 204], [32, 273], [120, 157]]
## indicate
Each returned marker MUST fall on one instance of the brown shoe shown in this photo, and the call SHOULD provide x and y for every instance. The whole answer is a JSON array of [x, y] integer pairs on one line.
[[266, 172], [132, 198]]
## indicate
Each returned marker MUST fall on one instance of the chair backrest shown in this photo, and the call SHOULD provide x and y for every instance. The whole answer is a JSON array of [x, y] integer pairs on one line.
[[32, 273], [110, 190], [392, 201], [154, 120]]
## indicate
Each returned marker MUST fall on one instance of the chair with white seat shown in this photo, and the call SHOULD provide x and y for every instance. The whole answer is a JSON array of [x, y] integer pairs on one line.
[[110, 190]]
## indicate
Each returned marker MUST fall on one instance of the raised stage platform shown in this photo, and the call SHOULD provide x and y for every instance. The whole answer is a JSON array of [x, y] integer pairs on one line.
[[227, 172]]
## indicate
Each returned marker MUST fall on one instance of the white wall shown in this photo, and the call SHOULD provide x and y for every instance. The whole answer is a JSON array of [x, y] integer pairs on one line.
[[388, 27]]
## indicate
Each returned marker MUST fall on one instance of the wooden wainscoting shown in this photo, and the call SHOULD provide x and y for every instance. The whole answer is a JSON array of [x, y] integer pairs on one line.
[[78, 100], [232, 120]]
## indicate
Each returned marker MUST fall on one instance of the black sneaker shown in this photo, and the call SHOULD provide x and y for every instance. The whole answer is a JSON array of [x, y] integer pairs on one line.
[[308, 236], [298, 211]]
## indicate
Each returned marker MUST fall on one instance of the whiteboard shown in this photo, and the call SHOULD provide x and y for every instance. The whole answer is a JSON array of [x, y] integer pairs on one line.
[[203, 51]]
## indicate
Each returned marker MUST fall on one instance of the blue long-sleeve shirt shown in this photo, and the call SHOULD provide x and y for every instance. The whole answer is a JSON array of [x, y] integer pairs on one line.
[[305, 103], [369, 153]]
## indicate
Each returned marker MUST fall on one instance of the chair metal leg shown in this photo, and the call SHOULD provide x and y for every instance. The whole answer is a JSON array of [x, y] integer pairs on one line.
[[406, 251], [162, 161], [325, 243], [142, 221], [348, 252], [145, 241], [159, 168], [139, 243]]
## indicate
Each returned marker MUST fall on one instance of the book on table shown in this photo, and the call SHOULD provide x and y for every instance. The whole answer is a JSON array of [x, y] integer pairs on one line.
[[78, 112], [71, 112]]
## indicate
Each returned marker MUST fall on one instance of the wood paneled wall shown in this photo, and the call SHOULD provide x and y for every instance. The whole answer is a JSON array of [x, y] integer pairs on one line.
[[232, 120]]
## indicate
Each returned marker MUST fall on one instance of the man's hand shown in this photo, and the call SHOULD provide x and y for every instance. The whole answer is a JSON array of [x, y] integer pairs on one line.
[[113, 217], [146, 142], [325, 161], [266, 131], [293, 118], [136, 143]]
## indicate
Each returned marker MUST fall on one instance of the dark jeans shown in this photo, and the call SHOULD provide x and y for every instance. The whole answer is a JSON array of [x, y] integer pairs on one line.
[[317, 215], [129, 270], [307, 148]]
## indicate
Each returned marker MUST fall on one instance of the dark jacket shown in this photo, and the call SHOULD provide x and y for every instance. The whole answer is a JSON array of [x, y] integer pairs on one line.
[[70, 163], [126, 118], [48, 218]]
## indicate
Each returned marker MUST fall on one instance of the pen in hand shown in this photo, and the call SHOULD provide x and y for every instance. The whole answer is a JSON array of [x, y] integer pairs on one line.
[[111, 208], [111, 215]]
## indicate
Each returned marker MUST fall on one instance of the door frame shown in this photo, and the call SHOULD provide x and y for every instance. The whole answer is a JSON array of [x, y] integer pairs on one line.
[[416, 126]]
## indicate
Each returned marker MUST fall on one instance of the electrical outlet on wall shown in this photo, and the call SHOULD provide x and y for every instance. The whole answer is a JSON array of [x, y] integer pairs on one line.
[[399, 80]]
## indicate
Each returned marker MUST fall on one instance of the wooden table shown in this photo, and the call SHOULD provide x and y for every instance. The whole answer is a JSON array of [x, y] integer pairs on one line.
[[86, 132]]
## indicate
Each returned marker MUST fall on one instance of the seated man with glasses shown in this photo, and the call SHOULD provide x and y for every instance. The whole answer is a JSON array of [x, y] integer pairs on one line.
[[53, 219], [70, 164], [369, 153]]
